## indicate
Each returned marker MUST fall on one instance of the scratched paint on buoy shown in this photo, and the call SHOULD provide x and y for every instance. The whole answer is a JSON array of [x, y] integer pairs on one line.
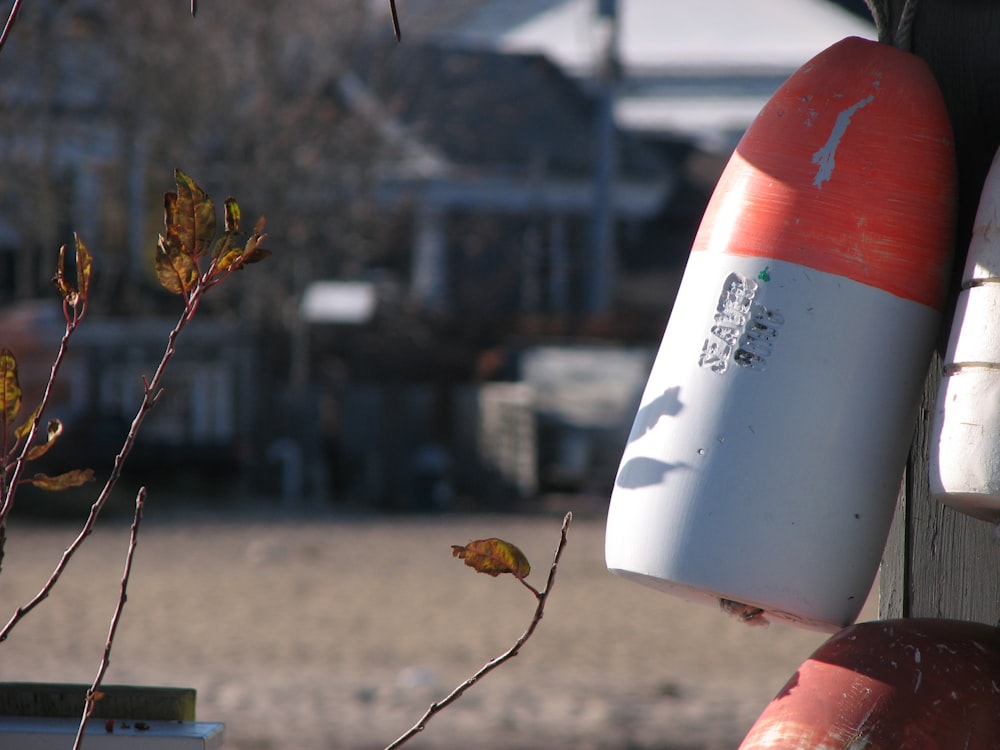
[[825, 158], [806, 157]]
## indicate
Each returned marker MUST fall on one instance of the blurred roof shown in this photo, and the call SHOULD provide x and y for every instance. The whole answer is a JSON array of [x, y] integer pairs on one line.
[[664, 34], [494, 111], [485, 128], [693, 69]]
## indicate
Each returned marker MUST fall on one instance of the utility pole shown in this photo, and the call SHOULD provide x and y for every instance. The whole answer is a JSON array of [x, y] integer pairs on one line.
[[600, 273]]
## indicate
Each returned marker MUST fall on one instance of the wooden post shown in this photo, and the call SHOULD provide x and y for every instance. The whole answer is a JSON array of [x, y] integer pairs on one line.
[[938, 562]]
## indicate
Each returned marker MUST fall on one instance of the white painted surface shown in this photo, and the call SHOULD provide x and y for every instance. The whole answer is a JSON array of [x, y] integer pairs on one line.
[[965, 432], [29, 733], [773, 487]]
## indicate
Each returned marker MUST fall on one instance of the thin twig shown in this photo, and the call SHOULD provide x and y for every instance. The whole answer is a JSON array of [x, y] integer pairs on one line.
[[395, 20], [10, 23], [151, 394], [492, 664], [72, 321], [93, 695]]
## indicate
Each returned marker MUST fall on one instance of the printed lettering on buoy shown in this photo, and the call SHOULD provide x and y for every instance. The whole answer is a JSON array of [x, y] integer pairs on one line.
[[743, 331]]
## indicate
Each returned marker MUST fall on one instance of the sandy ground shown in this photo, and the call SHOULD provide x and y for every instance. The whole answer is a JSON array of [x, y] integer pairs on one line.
[[337, 633]]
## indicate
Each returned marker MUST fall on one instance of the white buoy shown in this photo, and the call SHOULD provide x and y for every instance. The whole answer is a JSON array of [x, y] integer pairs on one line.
[[965, 432], [765, 459]]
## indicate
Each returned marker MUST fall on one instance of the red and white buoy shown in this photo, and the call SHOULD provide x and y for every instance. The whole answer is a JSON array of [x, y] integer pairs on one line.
[[765, 458], [965, 431], [921, 684]]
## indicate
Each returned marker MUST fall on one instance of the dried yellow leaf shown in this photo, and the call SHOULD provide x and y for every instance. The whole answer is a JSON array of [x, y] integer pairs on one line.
[[493, 556], [10, 389]]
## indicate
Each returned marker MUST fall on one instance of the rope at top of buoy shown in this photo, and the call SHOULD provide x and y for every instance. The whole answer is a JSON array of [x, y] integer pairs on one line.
[[902, 36], [880, 16]]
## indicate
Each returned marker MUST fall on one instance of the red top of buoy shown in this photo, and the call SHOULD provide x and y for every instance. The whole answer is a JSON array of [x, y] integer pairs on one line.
[[849, 169]]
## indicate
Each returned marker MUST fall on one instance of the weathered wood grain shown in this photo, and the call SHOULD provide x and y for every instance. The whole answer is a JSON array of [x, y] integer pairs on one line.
[[939, 562]]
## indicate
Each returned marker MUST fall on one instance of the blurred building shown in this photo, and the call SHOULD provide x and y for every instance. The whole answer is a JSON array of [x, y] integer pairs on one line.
[[515, 180]]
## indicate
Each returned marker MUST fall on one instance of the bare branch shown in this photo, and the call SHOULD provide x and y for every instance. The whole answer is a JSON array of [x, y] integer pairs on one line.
[[542, 596], [93, 695], [10, 23], [151, 395], [13, 479], [395, 20]]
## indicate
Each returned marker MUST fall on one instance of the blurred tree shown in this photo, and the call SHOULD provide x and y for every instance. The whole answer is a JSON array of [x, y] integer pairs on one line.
[[94, 92]]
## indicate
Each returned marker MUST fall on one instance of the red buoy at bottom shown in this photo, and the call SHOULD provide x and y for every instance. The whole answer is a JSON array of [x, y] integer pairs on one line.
[[915, 684]]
